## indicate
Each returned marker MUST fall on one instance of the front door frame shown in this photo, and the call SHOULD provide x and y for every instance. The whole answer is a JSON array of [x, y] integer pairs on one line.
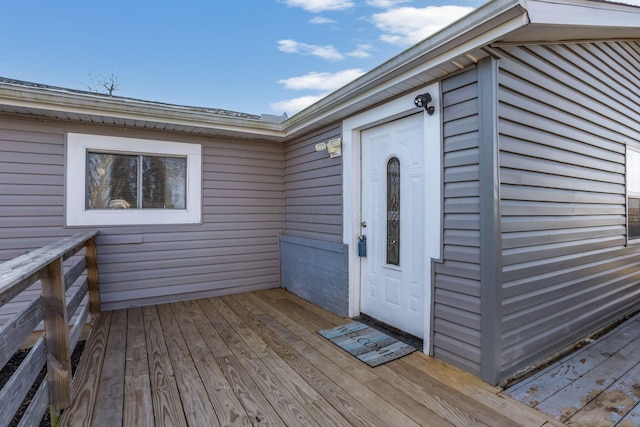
[[352, 187]]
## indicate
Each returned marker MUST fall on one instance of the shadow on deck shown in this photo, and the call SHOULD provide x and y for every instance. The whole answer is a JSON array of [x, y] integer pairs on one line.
[[256, 359]]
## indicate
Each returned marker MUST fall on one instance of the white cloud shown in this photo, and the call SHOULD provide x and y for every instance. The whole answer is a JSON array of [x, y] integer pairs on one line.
[[409, 25], [361, 51], [325, 52], [320, 20], [292, 106], [385, 4], [316, 6], [322, 81]]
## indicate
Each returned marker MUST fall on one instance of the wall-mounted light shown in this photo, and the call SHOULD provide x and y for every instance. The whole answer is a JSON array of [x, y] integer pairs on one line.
[[423, 101], [333, 147]]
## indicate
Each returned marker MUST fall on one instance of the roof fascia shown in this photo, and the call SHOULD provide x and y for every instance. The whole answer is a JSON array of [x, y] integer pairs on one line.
[[583, 13], [48, 99]]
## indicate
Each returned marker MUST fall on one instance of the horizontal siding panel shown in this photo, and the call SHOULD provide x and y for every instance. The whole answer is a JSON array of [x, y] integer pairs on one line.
[[564, 137], [462, 221], [511, 224], [558, 155], [463, 109], [28, 179], [532, 208], [261, 209], [535, 194], [461, 174], [462, 205], [315, 209], [312, 174], [462, 237], [535, 179], [461, 142], [258, 185], [314, 191], [310, 227], [314, 218], [459, 94], [459, 301], [252, 171], [461, 158], [458, 347], [463, 270], [460, 285], [460, 126], [211, 174], [521, 162], [539, 252], [468, 254], [326, 181], [561, 268], [109, 266], [458, 332], [216, 254], [542, 237], [461, 189], [316, 200], [575, 291]]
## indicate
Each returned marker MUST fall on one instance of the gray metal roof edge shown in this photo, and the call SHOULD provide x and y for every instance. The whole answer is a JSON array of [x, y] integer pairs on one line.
[[214, 111], [496, 11]]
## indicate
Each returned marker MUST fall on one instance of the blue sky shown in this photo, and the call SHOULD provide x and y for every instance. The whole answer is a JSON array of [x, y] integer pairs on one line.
[[254, 56]]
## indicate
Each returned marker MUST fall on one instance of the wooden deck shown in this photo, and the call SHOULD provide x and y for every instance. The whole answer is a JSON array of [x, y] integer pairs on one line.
[[256, 359], [599, 385]]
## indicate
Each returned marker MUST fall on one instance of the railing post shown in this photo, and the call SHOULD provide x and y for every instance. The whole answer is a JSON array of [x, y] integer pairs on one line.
[[57, 338], [92, 278]]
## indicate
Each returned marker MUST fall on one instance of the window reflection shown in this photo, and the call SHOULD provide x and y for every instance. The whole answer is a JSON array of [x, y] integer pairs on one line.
[[393, 211]]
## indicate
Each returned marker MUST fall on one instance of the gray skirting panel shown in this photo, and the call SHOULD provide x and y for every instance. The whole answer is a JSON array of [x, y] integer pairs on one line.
[[316, 271]]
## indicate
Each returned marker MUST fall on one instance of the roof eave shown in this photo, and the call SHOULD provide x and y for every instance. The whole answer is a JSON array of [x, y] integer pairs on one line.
[[130, 109], [490, 22]]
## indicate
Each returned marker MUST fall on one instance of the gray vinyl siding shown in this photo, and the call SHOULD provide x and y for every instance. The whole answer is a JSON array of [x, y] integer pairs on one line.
[[235, 249], [566, 112], [314, 261], [457, 305], [313, 188]]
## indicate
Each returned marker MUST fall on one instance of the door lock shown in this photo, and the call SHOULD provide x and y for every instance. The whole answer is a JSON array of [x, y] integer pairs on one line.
[[363, 224]]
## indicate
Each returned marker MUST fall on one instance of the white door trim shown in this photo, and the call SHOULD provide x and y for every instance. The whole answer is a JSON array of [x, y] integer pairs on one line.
[[351, 188]]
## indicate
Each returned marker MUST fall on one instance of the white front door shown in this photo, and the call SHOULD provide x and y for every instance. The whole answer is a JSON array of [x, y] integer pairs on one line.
[[393, 278]]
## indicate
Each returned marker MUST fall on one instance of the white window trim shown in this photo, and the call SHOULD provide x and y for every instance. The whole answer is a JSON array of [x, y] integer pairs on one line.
[[629, 193], [77, 215]]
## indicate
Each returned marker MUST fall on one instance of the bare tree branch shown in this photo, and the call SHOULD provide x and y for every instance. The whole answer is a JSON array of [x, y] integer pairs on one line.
[[106, 85]]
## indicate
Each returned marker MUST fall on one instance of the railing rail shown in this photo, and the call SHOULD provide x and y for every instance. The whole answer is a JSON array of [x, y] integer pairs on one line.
[[54, 309]]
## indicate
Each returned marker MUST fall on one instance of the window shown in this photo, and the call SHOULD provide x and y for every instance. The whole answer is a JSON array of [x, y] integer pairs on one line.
[[633, 193], [121, 181], [393, 211]]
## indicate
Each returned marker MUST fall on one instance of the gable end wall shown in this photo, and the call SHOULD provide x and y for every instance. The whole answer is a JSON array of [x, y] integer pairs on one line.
[[565, 114]]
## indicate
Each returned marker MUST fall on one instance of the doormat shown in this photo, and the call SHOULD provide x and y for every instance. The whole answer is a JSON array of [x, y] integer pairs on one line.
[[367, 344]]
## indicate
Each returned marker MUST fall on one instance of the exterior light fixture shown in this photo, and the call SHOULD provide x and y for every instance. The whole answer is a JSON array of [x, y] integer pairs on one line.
[[422, 101]]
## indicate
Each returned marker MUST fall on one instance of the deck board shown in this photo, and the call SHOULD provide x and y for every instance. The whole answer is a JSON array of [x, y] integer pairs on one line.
[[256, 359], [597, 385]]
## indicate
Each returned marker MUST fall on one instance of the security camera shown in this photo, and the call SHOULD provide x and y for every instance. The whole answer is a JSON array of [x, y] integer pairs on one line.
[[422, 101]]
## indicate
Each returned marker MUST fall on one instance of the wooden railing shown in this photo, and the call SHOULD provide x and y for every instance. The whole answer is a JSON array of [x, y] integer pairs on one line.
[[52, 308]]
